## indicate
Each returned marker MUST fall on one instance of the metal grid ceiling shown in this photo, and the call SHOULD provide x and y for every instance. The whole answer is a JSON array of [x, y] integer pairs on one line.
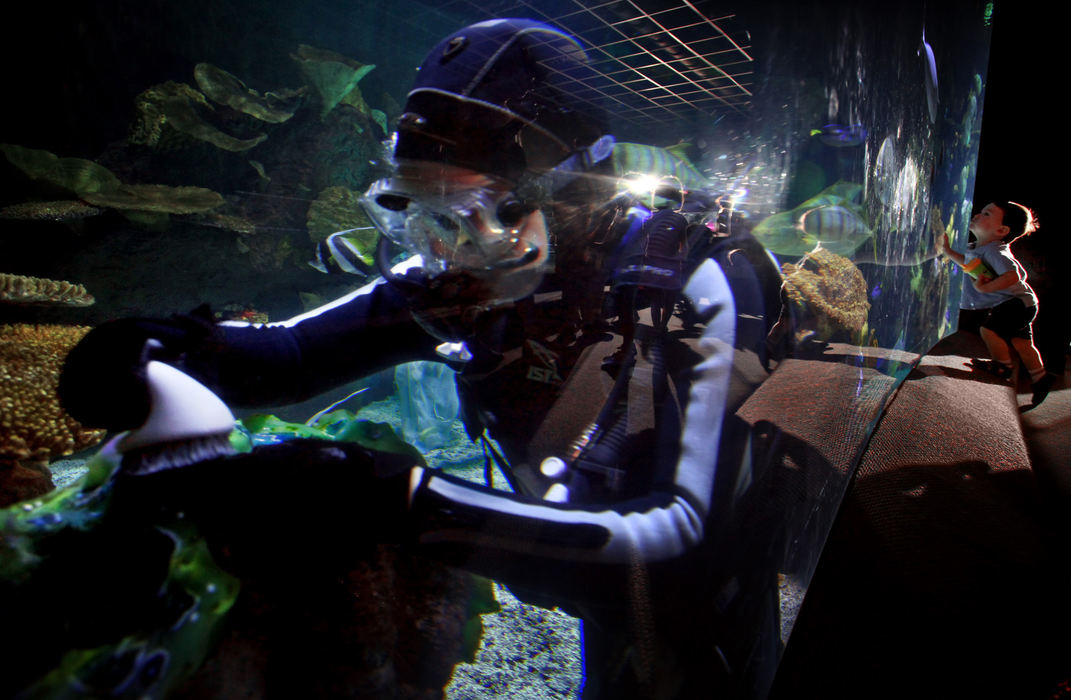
[[654, 61]]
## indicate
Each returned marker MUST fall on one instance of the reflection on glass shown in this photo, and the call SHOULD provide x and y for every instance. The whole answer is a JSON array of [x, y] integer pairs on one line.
[[672, 264]]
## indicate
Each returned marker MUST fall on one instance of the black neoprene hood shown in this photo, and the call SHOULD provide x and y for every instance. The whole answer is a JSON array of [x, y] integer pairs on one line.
[[500, 97]]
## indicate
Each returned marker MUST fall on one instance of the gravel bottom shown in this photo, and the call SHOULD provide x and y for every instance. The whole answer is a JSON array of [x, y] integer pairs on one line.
[[66, 471], [527, 653]]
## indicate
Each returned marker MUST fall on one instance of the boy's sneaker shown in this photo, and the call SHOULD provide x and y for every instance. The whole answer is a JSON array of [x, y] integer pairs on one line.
[[999, 370], [1041, 388]]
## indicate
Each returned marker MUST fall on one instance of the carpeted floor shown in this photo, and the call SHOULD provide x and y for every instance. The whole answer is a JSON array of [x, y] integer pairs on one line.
[[946, 573]]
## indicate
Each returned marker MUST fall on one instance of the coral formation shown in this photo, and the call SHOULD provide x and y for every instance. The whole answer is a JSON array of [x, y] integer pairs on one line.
[[266, 253], [63, 210], [170, 114], [33, 426], [228, 222], [75, 175], [356, 100], [332, 75], [226, 89], [160, 199], [19, 289], [241, 312], [339, 209], [830, 292], [391, 108]]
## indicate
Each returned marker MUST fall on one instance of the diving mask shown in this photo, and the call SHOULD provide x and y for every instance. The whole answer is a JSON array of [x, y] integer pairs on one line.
[[457, 219]]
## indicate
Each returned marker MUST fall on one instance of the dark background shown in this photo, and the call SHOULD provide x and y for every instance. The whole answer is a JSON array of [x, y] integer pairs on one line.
[[1021, 152]]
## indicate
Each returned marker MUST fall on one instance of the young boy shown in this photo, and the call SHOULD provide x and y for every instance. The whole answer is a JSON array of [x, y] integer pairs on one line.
[[999, 290]]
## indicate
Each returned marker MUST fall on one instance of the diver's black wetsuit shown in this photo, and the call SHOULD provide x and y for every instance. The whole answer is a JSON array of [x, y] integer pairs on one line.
[[668, 533]]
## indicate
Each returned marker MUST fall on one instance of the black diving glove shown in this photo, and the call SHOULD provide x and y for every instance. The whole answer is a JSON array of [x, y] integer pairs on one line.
[[102, 384], [299, 504]]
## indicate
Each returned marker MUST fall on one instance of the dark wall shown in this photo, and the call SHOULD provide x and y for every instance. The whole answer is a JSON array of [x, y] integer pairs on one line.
[[1022, 147]]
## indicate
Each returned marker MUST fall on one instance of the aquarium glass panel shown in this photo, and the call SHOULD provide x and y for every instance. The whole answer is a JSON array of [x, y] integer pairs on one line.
[[544, 356]]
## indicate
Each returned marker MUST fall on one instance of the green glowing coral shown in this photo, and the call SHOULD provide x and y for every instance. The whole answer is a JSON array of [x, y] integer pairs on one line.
[[332, 75]]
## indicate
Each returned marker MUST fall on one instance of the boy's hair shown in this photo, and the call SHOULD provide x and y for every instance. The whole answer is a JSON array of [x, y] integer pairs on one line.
[[1019, 219]]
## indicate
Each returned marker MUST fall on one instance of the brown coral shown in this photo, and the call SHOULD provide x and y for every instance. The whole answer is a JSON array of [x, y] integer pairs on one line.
[[75, 175], [227, 222], [170, 114], [266, 253], [63, 210], [830, 290], [19, 289], [160, 199], [33, 426], [226, 89], [335, 209]]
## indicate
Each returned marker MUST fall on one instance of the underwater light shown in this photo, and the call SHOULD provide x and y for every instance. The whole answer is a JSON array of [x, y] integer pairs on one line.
[[737, 196], [642, 184]]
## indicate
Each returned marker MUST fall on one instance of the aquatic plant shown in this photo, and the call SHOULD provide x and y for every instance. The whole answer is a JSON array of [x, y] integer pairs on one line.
[[189, 599], [126, 655], [339, 425]]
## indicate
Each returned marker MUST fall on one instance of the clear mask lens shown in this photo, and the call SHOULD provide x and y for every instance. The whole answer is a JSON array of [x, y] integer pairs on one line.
[[450, 226]]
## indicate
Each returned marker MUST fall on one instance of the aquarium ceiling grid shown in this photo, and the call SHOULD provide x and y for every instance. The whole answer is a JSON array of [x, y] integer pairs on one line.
[[654, 62]]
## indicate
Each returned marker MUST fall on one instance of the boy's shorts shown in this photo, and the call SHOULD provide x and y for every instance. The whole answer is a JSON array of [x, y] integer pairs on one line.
[[1010, 319]]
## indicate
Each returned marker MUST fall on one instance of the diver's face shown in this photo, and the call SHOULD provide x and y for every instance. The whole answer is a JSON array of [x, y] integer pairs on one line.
[[463, 218], [459, 220], [988, 224]]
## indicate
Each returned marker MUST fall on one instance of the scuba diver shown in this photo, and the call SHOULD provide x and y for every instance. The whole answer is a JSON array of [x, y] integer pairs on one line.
[[627, 487]]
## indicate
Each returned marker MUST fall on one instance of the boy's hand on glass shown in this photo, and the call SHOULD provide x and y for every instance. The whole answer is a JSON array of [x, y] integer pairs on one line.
[[942, 243]]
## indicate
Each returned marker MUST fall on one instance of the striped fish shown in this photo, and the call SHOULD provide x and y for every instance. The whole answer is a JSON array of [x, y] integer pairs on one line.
[[349, 251], [831, 217], [833, 225], [639, 158]]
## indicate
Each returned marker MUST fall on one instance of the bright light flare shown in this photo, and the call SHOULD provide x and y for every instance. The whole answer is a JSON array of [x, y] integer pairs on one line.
[[642, 185]]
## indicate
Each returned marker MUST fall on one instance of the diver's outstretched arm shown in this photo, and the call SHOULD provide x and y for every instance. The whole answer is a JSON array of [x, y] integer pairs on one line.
[[247, 365]]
